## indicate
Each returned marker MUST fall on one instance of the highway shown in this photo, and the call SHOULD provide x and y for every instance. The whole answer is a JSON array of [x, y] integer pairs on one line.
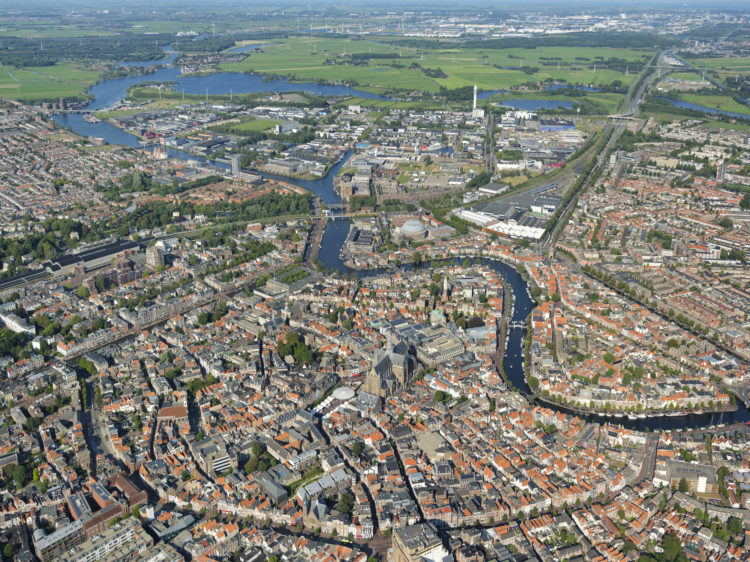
[[630, 108]]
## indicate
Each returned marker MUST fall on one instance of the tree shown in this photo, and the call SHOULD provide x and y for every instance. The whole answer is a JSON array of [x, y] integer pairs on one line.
[[672, 547], [346, 502], [734, 525], [555, 297], [683, 486], [745, 203], [357, 448], [726, 222], [19, 475], [251, 465], [9, 552], [83, 292]]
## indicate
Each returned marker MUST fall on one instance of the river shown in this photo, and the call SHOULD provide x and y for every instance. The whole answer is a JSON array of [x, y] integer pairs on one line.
[[704, 109], [110, 91]]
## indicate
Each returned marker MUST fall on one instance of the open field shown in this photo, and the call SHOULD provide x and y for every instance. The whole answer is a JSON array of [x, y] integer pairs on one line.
[[46, 82], [175, 26], [255, 125], [44, 30], [593, 103], [728, 64], [718, 101], [385, 105], [738, 125], [687, 76], [330, 59]]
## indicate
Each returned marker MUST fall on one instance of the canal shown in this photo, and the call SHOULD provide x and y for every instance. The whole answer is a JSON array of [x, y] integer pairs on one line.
[[108, 92]]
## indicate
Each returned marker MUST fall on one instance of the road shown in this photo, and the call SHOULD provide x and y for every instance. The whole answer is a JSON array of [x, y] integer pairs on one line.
[[649, 459], [630, 105], [490, 144]]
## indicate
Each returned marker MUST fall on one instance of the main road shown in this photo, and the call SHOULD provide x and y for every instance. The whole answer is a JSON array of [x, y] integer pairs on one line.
[[630, 108]]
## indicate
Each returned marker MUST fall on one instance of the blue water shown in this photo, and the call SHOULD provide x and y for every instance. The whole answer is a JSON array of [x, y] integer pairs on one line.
[[112, 134], [247, 48], [109, 92], [711, 110], [563, 86], [171, 55], [238, 83], [323, 187], [535, 105]]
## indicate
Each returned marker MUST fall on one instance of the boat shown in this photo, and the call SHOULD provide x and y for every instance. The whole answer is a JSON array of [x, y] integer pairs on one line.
[[632, 417]]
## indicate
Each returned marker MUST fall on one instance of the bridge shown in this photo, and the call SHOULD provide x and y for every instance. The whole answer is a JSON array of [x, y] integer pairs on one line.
[[79, 111], [518, 324], [327, 214]]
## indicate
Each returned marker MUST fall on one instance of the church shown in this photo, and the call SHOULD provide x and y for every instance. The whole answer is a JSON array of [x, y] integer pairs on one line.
[[390, 371]]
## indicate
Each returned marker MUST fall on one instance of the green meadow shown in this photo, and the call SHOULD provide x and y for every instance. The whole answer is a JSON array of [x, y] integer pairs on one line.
[[313, 58], [45, 82], [718, 101]]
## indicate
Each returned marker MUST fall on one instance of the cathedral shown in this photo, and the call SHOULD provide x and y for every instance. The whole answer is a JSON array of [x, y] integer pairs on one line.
[[390, 371]]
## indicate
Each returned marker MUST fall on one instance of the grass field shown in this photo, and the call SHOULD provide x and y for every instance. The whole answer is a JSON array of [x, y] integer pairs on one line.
[[718, 101], [255, 125], [384, 105], [175, 26], [676, 76], [591, 103], [730, 64], [41, 31], [738, 125], [45, 82], [313, 58]]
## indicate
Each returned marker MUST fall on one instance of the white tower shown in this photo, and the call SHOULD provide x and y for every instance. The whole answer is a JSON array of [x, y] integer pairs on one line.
[[476, 113]]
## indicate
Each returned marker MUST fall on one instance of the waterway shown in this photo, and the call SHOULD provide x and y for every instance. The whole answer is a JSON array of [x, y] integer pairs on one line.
[[168, 60], [108, 92], [248, 48], [704, 109], [535, 105]]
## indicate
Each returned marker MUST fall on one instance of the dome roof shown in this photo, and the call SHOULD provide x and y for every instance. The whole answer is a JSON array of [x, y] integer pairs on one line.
[[343, 393], [413, 227]]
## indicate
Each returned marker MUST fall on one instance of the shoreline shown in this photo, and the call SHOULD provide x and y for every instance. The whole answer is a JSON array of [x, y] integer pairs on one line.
[[619, 415]]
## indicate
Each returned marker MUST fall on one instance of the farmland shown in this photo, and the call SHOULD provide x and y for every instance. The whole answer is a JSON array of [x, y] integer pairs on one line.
[[379, 67], [718, 101], [46, 82]]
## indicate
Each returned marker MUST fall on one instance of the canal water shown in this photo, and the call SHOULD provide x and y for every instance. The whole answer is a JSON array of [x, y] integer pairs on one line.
[[704, 109], [535, 105], [108, 92]]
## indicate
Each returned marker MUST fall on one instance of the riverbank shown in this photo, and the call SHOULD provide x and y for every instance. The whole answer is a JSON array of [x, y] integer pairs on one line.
[[635, 415]]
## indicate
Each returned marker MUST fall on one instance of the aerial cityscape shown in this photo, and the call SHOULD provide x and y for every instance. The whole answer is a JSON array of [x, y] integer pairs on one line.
[[369, 282]]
